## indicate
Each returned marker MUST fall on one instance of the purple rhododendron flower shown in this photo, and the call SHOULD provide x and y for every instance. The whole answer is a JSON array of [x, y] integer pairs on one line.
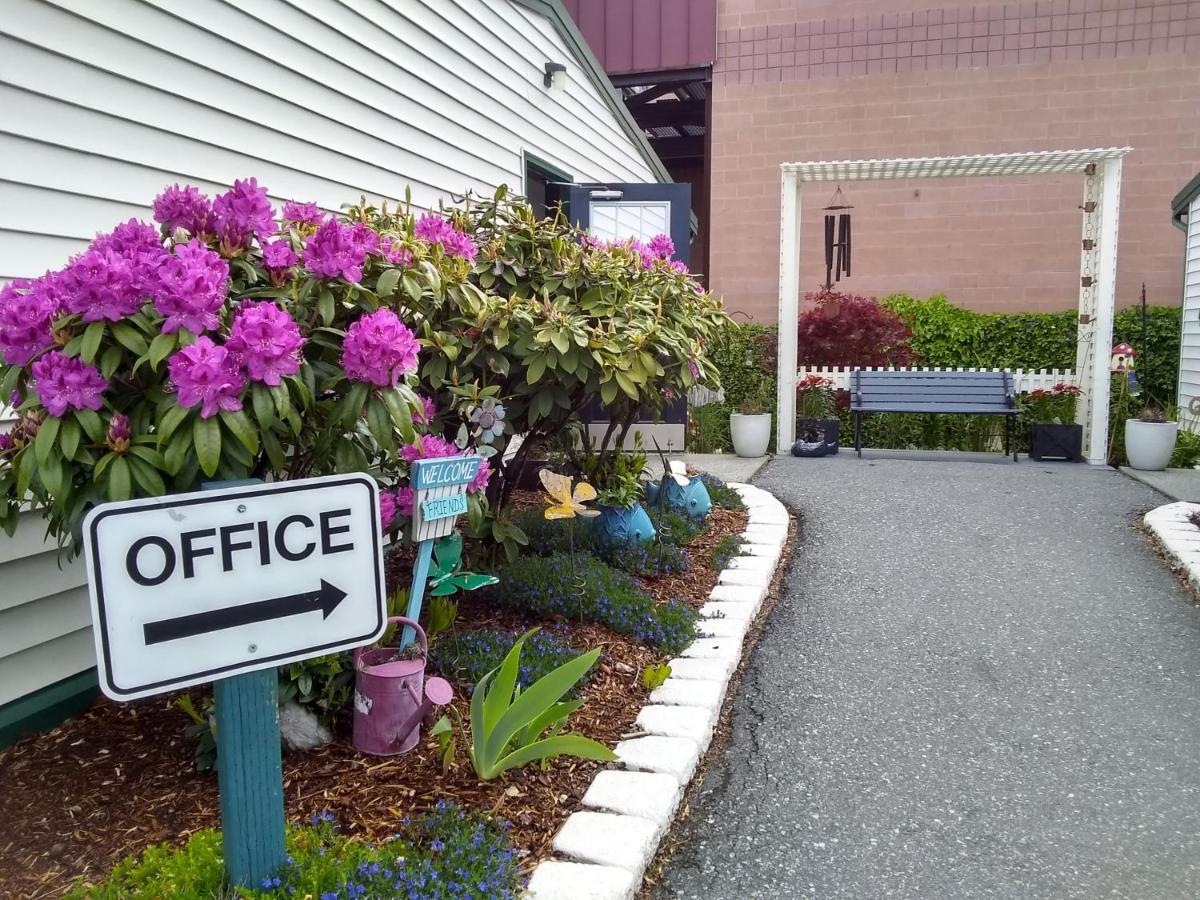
[[192, 287], [379, 349], [279, 255], [365, 237], [27, 313], [207, 375], [131, 240], [590, 241], [334, 251], [427, 412], [243, 212], [119, 433], [404, 501], [661, 246], [387, 510], [394, 253], [480, 481], [679, 266], [66, 382], [428, 446], [266, 341], [302, 213], [694, 369], [183, 207], [6, 443], [437, 230], [103, 285]]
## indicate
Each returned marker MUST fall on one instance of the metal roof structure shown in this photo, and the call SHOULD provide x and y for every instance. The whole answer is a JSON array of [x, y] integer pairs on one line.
[[1041, 162]]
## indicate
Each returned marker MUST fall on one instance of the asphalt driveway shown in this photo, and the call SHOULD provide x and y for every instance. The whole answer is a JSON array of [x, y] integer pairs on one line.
[[981, 682]]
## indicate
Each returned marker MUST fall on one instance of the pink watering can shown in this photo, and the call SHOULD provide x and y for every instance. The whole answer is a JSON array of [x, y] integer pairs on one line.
[[392, 697]]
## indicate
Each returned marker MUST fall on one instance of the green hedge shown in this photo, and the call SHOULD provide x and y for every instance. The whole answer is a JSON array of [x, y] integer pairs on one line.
[[947, 335]]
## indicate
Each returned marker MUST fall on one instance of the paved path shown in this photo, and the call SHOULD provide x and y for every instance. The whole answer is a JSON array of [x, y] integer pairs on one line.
[[980, 683]]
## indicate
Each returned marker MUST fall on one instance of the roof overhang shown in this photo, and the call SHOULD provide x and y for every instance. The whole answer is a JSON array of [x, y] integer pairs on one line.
[[558, 16], [1041, 162], [1183, 200]]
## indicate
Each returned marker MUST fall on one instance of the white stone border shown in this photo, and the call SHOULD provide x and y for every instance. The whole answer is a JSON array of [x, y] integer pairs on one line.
[[1180, 539], [602, 852]]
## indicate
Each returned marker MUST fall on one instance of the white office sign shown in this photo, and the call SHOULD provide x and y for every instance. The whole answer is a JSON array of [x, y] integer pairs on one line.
[[190, 588]]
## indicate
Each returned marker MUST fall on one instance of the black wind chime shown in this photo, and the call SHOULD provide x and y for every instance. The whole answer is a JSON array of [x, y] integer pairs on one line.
[[837, 239]]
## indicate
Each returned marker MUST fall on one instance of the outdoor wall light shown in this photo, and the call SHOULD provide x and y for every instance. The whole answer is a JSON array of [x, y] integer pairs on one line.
[[556, 75]]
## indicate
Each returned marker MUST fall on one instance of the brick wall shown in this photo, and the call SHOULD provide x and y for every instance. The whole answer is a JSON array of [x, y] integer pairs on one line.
[[826, 80]]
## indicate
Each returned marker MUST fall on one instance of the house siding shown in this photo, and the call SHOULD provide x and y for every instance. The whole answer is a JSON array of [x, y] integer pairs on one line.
[[320, 100], [1189, 347], [105, 103]]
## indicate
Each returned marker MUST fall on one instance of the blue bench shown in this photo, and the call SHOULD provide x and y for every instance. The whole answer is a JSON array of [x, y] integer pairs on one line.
[[966, 393]]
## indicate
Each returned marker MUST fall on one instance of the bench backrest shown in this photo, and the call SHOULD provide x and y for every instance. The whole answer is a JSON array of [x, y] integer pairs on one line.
[[932, 392]]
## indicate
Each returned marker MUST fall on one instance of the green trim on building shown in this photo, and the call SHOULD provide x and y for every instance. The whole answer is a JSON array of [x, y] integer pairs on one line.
[[1179, 205], [528, 159], [565, 25], [46, 708]]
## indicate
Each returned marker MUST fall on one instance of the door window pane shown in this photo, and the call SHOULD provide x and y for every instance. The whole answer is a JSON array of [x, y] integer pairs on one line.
[[621, 220]]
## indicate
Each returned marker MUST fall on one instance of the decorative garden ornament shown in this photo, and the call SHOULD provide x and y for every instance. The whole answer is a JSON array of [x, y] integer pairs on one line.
[[681, 492], [392, 697], [447, 577], [567, 504], [837, 212]]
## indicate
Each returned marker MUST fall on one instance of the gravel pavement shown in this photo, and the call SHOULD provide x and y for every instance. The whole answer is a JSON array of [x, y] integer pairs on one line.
[[980, 682]]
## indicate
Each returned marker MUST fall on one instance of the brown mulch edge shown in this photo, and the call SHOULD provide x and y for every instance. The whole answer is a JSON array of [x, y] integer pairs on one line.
[[120, 777], [675, 836]]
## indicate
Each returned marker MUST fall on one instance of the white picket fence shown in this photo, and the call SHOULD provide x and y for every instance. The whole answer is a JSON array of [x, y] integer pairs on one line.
[[1023, 380]]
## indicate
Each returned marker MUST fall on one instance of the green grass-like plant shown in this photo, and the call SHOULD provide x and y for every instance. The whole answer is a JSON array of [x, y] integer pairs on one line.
[[511, 727]]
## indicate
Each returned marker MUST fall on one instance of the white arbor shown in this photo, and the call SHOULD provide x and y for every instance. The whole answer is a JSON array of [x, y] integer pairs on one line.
[[1101, 172]]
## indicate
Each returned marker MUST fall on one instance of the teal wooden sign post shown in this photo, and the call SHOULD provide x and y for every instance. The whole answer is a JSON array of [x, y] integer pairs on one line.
[[439, 497]]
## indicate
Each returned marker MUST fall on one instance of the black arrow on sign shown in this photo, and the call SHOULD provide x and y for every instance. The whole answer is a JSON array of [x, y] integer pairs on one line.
[[326, 598]]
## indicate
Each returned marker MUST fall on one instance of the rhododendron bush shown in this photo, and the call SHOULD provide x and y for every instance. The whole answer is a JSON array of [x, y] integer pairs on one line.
[[231, 341], [542, 319]]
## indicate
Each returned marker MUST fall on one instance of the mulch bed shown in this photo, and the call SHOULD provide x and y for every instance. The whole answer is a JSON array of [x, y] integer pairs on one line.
[[121, 776]]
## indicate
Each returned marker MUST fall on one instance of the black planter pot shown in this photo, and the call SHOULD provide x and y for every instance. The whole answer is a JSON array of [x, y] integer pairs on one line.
[[815, 437], [1051, 440]]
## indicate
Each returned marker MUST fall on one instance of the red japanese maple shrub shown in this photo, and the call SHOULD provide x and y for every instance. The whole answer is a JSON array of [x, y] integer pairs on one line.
[[851, 330]]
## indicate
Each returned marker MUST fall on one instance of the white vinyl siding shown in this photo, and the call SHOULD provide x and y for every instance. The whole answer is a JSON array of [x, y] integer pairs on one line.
[[321, 100], [1189, 347], [103, 102]]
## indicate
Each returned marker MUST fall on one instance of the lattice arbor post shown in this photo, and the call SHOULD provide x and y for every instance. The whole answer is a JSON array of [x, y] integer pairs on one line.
[[789, 311]]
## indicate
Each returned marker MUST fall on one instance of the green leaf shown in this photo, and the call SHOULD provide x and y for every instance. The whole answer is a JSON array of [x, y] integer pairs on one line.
[[26, 469], [239, 424], [537, 366], [110, 361], [9, 384], [146, 476], [47, 436], [379, 422], [401, 414], [560, 341], [171, 419], [162, 347], [92, 424], [130, 338], [90, 344], [207, 437], [326, 306], [264, 406], [120, 486], [68, 437], [413, 288], [51, 475], [283, 400], [386, 286], [608, 392], [560, 745], [153, 457], [176, 453], [274, 450], [354, 401]]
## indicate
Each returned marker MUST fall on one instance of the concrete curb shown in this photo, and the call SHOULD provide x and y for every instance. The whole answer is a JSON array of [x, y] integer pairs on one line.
[[1179, 538], [603, 851]]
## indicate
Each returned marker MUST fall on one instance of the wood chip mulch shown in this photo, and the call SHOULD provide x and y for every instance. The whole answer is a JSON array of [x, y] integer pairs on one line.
[[120, 777]]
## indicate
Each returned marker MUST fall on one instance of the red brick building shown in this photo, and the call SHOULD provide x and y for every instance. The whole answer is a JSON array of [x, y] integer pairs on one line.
[[823, 80]]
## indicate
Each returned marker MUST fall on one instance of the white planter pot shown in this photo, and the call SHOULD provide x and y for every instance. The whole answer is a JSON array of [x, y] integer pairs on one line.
[[1149, 445], [750, 434]]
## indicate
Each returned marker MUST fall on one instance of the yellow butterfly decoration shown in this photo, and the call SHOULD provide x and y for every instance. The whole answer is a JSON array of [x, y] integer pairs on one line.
[[566, 504]]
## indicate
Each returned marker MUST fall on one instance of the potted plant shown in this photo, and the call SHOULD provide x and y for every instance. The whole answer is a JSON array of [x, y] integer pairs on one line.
[[1150, 439], [1051, 414], [816, 425], [750, 426], [617, 476]]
